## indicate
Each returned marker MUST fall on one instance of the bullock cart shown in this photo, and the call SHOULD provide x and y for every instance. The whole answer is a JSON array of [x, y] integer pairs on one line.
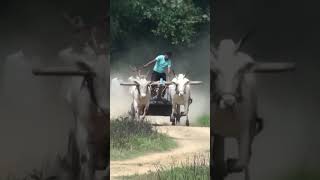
[[157, 106], [163, 106]]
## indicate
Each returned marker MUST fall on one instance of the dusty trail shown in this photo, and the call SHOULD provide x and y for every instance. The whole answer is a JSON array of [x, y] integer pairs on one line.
[[190, 140]]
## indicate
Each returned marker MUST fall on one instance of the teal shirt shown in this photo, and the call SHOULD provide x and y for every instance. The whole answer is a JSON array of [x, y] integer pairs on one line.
[[161, 64]]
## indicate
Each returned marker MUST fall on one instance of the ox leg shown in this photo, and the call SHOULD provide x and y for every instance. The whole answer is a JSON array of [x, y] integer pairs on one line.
[[138, 114], [72, 159], [238, 165], [173, 112], [136, 111], [218, 163], [132, 112], [186, 112], [247, 174], [145, 109], [86, 170], [178, 114]]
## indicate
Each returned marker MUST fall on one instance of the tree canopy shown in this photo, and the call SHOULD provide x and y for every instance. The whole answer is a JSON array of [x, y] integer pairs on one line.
[[176, 21]]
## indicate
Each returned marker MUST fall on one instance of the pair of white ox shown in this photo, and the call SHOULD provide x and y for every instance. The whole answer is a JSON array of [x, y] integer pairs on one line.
[[179, 91]]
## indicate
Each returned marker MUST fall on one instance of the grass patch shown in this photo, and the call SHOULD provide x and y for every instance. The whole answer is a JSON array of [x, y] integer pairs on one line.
[[204, 121], [131, 138], [193, 168]]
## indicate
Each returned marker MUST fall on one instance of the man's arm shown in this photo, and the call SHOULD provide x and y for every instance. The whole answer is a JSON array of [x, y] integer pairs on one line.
[[150, 62]]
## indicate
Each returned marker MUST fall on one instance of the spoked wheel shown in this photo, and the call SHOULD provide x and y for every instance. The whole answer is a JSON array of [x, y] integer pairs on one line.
[[73, 155], [219, 170]]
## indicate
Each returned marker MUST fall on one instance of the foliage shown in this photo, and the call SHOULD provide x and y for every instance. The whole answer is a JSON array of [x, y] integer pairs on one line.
[[204, 121], [176, 21], [131, 138]]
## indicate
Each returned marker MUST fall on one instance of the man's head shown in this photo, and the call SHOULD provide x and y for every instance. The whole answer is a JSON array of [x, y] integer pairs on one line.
[[168, 54]]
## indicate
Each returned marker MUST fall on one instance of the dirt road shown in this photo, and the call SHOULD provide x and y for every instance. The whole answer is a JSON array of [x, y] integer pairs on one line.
[[190, 140]]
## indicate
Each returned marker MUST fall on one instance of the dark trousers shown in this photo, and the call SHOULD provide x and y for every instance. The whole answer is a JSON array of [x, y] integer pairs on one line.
[[155, 76]]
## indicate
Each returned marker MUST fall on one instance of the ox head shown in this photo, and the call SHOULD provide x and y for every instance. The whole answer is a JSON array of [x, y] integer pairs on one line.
[[181, 82], [142, 85], [229, 67]]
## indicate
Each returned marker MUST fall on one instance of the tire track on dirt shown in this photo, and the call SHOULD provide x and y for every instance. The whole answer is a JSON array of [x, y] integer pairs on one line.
[[191, 141]]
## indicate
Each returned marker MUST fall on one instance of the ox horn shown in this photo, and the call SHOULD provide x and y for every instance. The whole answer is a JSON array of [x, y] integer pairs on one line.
[[132, 68], [135, 69], [187, 73], [195, 82], [214, 51], [173, 72], [274, 67], [243, 40], [147, 74]]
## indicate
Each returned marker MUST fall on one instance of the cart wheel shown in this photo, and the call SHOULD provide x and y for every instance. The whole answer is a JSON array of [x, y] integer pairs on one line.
[[219, 170], [73, 155]]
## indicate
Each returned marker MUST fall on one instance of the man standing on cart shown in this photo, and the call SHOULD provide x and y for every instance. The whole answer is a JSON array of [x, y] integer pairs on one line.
[[162, 63]]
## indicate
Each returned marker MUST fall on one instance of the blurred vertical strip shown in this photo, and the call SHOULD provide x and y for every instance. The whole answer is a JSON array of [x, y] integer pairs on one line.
[[108, 47], [212, 2]]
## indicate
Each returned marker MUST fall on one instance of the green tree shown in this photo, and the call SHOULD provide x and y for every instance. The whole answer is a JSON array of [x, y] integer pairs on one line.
[[177, 21]]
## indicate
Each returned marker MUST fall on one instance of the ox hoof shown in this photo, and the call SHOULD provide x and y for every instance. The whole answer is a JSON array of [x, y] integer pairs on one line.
[[187, 123], [173, 122], [232, 166]]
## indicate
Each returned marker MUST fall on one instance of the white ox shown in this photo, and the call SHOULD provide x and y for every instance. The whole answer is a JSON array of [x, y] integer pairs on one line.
[[88, 98], [234, 104], [141, 93], [179, 90]]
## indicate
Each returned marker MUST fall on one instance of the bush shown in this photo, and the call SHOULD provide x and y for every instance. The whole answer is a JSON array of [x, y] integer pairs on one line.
[[204, 121], [130, 138]]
